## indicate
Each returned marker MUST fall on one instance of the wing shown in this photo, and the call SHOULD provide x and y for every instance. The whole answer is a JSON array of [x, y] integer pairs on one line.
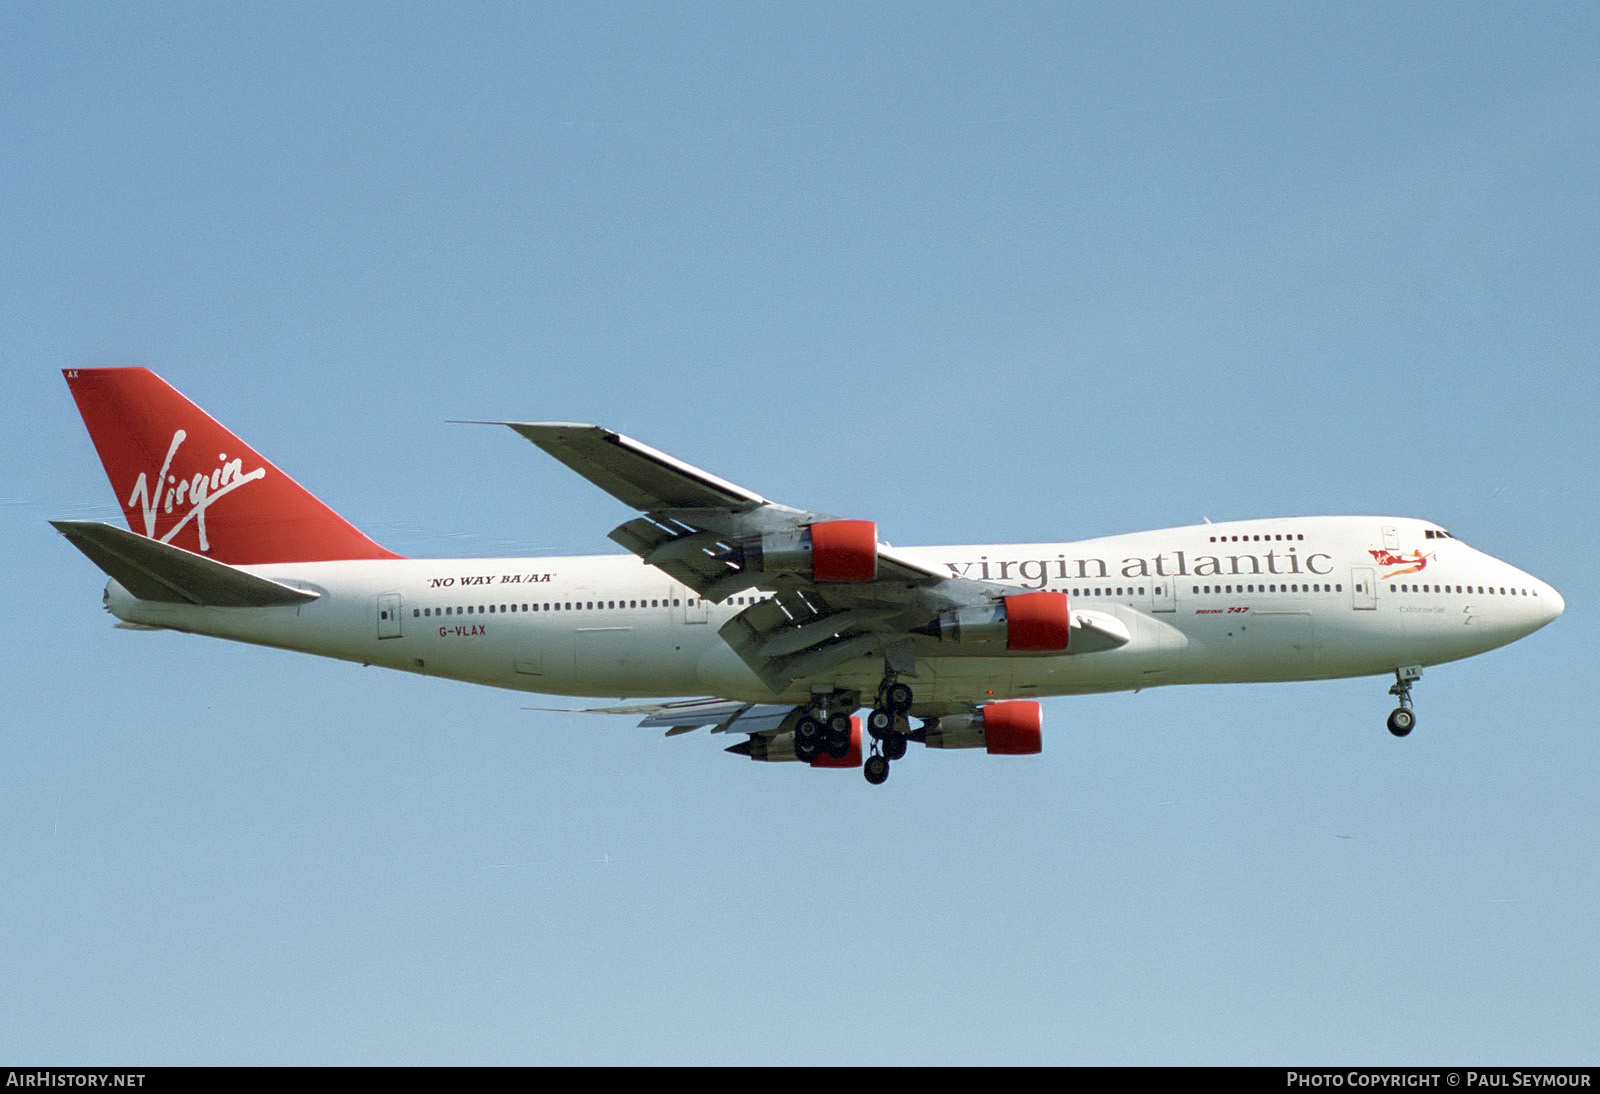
[[835, 591], [723, 715]]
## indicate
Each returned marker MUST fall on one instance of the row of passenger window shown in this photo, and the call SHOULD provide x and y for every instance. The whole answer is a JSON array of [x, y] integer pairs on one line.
[[1315, 587], [1259, 539], [573, 606], [1130, 590], [1482, 590], [569, 606]]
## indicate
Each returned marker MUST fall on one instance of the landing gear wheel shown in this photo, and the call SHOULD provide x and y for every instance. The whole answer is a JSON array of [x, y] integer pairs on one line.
[[876, 769], [1404, 719], [807, 729], [807, 738], [898, 697], [879, 723], [838, 745], [838, 736], [894, 746]]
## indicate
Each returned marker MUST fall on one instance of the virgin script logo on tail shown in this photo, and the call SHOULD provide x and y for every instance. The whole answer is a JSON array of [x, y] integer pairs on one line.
[[199, 492]]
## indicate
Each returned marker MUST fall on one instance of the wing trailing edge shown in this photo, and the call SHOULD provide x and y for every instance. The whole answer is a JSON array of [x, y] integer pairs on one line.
[[723, 715]]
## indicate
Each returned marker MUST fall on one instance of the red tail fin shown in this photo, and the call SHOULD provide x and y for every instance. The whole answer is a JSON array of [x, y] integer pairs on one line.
[[184, 479]]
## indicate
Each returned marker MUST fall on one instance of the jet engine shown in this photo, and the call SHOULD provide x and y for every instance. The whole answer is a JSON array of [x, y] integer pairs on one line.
[[1012, 728], [1038, 622], [832, 550]]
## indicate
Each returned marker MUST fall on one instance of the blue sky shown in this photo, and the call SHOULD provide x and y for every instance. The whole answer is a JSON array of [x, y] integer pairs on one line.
[[978, 272]]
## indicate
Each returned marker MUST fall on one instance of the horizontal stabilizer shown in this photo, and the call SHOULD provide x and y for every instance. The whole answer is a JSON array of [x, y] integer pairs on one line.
[[152, 570]]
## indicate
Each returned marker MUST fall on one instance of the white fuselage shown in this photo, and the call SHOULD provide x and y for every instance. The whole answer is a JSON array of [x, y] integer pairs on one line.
[[1261, 600]]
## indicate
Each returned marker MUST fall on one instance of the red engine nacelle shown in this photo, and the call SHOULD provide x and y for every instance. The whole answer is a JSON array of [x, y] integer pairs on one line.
[[1013, 728], [844, 550], [851, 758], [831, 550], [1037, 622]]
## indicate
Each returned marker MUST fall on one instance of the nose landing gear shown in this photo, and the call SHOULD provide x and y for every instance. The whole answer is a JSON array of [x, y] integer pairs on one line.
[[1403, 719]]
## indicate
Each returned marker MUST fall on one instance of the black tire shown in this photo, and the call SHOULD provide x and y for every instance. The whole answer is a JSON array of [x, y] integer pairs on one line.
[[899, 698], [807, 750], [838, 736], [807, 729], [894, 746], [879, 723], [1402, 721], [876, 769]]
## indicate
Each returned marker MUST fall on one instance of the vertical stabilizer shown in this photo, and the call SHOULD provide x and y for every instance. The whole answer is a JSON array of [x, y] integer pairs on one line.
[[182, 478]]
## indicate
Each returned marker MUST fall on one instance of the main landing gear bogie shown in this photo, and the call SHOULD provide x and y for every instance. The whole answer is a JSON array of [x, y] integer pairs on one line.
[[817, 733], [1403, 719], [886, 725]]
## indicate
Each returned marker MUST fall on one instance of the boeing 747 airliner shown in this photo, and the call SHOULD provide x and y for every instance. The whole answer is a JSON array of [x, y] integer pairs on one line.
[[779, 624]]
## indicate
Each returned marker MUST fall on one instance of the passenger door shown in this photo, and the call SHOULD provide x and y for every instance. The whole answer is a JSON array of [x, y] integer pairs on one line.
[[389, 615], [1363, 588]]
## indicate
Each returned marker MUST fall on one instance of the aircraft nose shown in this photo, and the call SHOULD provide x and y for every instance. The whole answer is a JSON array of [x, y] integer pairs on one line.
[[1551, 602]]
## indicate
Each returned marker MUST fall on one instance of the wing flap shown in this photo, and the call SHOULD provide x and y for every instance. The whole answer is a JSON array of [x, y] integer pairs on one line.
[[723, 715], [682, 553], [797, 633]]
